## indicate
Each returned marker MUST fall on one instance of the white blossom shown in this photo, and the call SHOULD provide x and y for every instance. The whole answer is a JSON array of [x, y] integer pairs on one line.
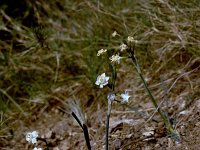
[[102, 80], [123, 47], [32, 137], [114, 33], [115, 58], [125, 97], [130, 39], [101, 51]]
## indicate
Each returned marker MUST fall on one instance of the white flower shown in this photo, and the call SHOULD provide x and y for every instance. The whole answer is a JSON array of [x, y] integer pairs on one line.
[[101, 51], [102, 80], [130, 39], [37, 148], [125, 97], [115, 58], [32, 137], [114, 33], [123, 47]]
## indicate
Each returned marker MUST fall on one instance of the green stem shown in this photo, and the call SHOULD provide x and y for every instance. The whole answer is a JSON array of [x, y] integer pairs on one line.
[[114, 76], [107, 124], [163, 116], [165, 119]]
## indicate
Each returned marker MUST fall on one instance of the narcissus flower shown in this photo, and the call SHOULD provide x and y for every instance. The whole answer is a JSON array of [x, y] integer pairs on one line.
[[125, 97], [32, 137], [102, 80], [115, 58]]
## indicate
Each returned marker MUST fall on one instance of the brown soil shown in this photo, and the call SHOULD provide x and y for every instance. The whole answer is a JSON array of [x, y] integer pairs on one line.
[[127, 131]]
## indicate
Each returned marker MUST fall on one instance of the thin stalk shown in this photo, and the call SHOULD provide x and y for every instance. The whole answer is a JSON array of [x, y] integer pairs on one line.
[[163, 116], [153, 100], [114, 76], [107, 124]]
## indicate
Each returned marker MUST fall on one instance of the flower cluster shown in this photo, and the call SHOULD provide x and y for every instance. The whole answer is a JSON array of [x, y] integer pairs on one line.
[[130, 39], [102, 79], [101, 51], [123, 47], [115, 58]]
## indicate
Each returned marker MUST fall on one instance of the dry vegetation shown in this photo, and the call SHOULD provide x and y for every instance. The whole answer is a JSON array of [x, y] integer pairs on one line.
[[48, 66]]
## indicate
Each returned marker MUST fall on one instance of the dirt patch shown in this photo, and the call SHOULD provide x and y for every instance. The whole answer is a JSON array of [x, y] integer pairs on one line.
[[63, 133]]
